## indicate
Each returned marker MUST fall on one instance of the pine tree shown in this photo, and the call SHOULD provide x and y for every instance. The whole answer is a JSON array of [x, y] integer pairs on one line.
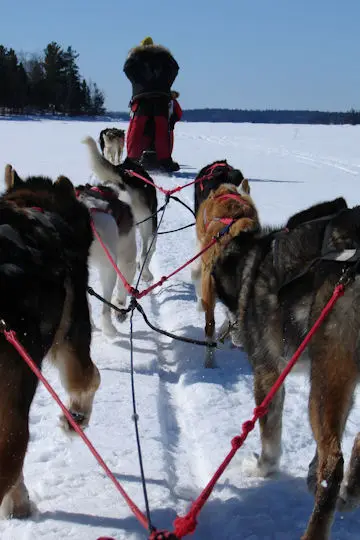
[[3, 77], [23, 87], [72, 85], [50, 82], [97, 100], [54, 65], [85, 97], [38, 95]]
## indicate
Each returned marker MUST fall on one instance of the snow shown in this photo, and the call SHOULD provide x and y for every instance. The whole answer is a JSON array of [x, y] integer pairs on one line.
[[187, 414]]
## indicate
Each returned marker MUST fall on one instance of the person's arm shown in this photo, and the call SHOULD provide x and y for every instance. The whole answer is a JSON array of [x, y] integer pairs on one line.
[[177, 110]]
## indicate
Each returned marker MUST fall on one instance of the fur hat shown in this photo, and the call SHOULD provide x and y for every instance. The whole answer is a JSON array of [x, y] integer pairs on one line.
[[147, 41]]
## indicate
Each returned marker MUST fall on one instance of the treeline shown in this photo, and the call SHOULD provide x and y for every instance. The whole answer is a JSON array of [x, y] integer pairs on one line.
[[262, 117], [47, 83], [272, 116]]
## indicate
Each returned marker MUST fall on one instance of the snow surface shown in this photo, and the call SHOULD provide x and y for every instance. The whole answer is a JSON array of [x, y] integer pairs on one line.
[[188, 414]]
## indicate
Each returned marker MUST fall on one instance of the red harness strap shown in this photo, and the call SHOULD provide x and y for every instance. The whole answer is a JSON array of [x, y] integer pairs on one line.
[[234, 196], [210, 172], [225, 220], [109, 195]]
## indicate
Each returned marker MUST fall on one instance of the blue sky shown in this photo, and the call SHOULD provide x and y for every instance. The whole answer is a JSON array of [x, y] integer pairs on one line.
[[282, 54]]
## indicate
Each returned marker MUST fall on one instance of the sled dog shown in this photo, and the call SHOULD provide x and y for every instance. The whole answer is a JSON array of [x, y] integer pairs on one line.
[[113, 219], [276, 283], [143, 198], [112, 141], [45, 238], [227, 206]]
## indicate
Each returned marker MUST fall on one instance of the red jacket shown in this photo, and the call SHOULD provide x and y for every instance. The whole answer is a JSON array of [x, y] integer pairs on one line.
[[175, 113]]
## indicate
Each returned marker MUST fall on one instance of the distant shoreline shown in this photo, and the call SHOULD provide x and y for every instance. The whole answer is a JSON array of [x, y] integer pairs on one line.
[[233, 116]]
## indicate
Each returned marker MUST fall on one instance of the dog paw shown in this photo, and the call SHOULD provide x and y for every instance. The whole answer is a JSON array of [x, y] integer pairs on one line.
[[267, 466], [22, 510], [16, 504], [259, 467], [147, 275], [121, 315], [25, 510]]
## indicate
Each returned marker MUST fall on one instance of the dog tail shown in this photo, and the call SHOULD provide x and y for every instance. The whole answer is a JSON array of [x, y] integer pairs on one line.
[[103, 169]]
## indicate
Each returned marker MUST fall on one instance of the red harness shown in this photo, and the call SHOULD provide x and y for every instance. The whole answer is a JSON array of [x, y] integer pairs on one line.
[[225, 220], [109, 195], [210, 172]]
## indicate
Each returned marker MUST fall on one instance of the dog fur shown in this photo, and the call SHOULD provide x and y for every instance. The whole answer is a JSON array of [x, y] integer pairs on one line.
[[143, 198], [112, 142], [229, 202], [112, 215], [216, 173], [276, 284], [45, 237]]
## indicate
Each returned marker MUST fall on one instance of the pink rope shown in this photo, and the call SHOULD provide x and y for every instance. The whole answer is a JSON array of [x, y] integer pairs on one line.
[[131, 290], [11, 337], [187, 524], [178, 188], [127, 285]]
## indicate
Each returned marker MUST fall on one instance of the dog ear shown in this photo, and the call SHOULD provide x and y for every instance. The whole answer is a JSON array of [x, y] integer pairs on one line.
[[65, 186], [244, 188], [8, 176], [12, 178], [101, 136]]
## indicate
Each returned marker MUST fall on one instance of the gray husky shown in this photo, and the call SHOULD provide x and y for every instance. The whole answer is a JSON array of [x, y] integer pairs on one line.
[[275, 283]]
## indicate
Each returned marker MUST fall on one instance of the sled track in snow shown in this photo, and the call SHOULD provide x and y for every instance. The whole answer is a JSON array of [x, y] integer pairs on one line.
[[252, 144]]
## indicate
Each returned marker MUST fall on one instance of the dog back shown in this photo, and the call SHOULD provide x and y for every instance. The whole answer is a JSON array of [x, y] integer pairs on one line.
[[146, 191], [104, 199]]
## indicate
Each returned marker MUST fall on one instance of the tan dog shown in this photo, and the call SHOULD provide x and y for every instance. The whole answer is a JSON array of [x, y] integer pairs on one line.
[[231, 206]]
